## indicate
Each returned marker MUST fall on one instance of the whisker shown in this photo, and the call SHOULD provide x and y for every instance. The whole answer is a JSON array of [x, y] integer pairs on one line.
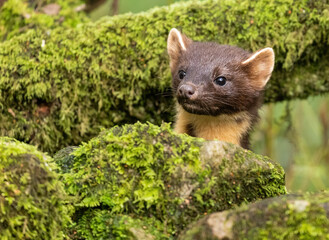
[[167, 93], [211, 100]]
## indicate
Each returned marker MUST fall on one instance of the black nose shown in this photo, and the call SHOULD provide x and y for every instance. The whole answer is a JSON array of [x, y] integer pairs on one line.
[[186, 91]]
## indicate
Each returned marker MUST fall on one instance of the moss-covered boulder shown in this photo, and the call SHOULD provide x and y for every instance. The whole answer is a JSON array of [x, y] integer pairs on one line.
[[61, 88], [19, 16], [31, 198], [299, 216], [148, 171]]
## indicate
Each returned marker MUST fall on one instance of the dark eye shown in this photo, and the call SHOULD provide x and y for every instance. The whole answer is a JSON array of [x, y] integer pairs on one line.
[[221, 81], [181, 74]]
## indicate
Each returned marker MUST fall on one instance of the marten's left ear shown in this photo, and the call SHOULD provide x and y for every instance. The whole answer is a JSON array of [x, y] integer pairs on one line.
[[177, 43], [260, 66]]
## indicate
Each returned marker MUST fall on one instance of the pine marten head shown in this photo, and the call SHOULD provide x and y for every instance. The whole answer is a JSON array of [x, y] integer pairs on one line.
[[213, 79]]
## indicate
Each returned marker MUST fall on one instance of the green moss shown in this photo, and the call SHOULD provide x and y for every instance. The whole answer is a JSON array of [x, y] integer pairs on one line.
[[19, 16], [64, 159], [102, 224], [31, 198], [149, 171], [116, 70], [281, 218]]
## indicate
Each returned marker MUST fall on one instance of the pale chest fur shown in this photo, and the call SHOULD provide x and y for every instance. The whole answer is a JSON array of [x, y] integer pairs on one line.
[[228, 128]]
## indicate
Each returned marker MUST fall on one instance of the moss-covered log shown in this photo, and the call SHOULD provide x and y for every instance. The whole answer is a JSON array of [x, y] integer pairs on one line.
[[19, 16], [31, 198], [59, 88], [148, 171], [281, 218]]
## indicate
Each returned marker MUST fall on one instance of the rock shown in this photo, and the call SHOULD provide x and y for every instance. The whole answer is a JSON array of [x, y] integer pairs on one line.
[[31, 197], [300, 216], [149, 171]]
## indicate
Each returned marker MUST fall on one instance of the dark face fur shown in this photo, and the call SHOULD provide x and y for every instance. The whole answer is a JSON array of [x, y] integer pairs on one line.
[[213, 79]]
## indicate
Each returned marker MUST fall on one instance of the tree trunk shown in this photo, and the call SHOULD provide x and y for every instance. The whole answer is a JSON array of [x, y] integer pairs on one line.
[[115, 7]]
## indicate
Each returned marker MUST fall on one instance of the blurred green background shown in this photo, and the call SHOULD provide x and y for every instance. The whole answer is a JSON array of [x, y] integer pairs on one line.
[[125, 6], [295, 133]]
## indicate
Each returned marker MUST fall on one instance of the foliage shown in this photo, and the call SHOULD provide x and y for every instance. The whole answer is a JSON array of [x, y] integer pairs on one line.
[[31, 198], [19, 16], [116, 70], [148, 171], [302, 216], [296, 134]]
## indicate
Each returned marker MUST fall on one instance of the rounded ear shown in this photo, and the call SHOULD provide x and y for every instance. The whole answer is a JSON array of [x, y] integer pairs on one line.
[[177, 43], [259, 67]]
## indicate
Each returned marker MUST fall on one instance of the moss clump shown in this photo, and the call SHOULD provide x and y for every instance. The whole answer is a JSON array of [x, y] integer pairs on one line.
[[281, 218], [116, 70], [19, 16], [148, 171], [31, 198], [102, 224], [64, 160]]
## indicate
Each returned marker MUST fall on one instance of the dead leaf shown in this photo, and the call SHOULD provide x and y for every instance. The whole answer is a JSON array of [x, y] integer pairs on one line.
[[11, 112], [51, 9], [42, 111]]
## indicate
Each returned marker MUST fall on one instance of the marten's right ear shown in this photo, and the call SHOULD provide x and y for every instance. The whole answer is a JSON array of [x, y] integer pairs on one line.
[[177, 43]]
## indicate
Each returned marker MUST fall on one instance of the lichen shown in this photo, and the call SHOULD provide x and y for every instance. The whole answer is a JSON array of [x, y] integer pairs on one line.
[[31, 198], [116, 70], [149, 171]]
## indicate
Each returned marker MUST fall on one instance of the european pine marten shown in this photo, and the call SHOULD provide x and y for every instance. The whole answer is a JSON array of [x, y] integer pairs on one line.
[[219, 88]]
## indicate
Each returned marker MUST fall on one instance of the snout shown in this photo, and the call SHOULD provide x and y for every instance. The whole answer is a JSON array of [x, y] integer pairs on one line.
[[187, 91]]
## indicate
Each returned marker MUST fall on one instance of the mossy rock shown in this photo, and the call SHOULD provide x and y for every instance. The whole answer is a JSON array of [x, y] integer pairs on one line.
[[60, 88], [149, 171], [294, 216], [31, 198]]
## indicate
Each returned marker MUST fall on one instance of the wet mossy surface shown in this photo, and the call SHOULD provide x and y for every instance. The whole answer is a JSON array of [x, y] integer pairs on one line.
[[31, 198], [294, 216], [148, 171], [116, 70]]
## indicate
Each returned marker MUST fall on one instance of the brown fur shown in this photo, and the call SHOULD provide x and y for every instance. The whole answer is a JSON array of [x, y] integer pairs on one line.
[[207, 109]]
